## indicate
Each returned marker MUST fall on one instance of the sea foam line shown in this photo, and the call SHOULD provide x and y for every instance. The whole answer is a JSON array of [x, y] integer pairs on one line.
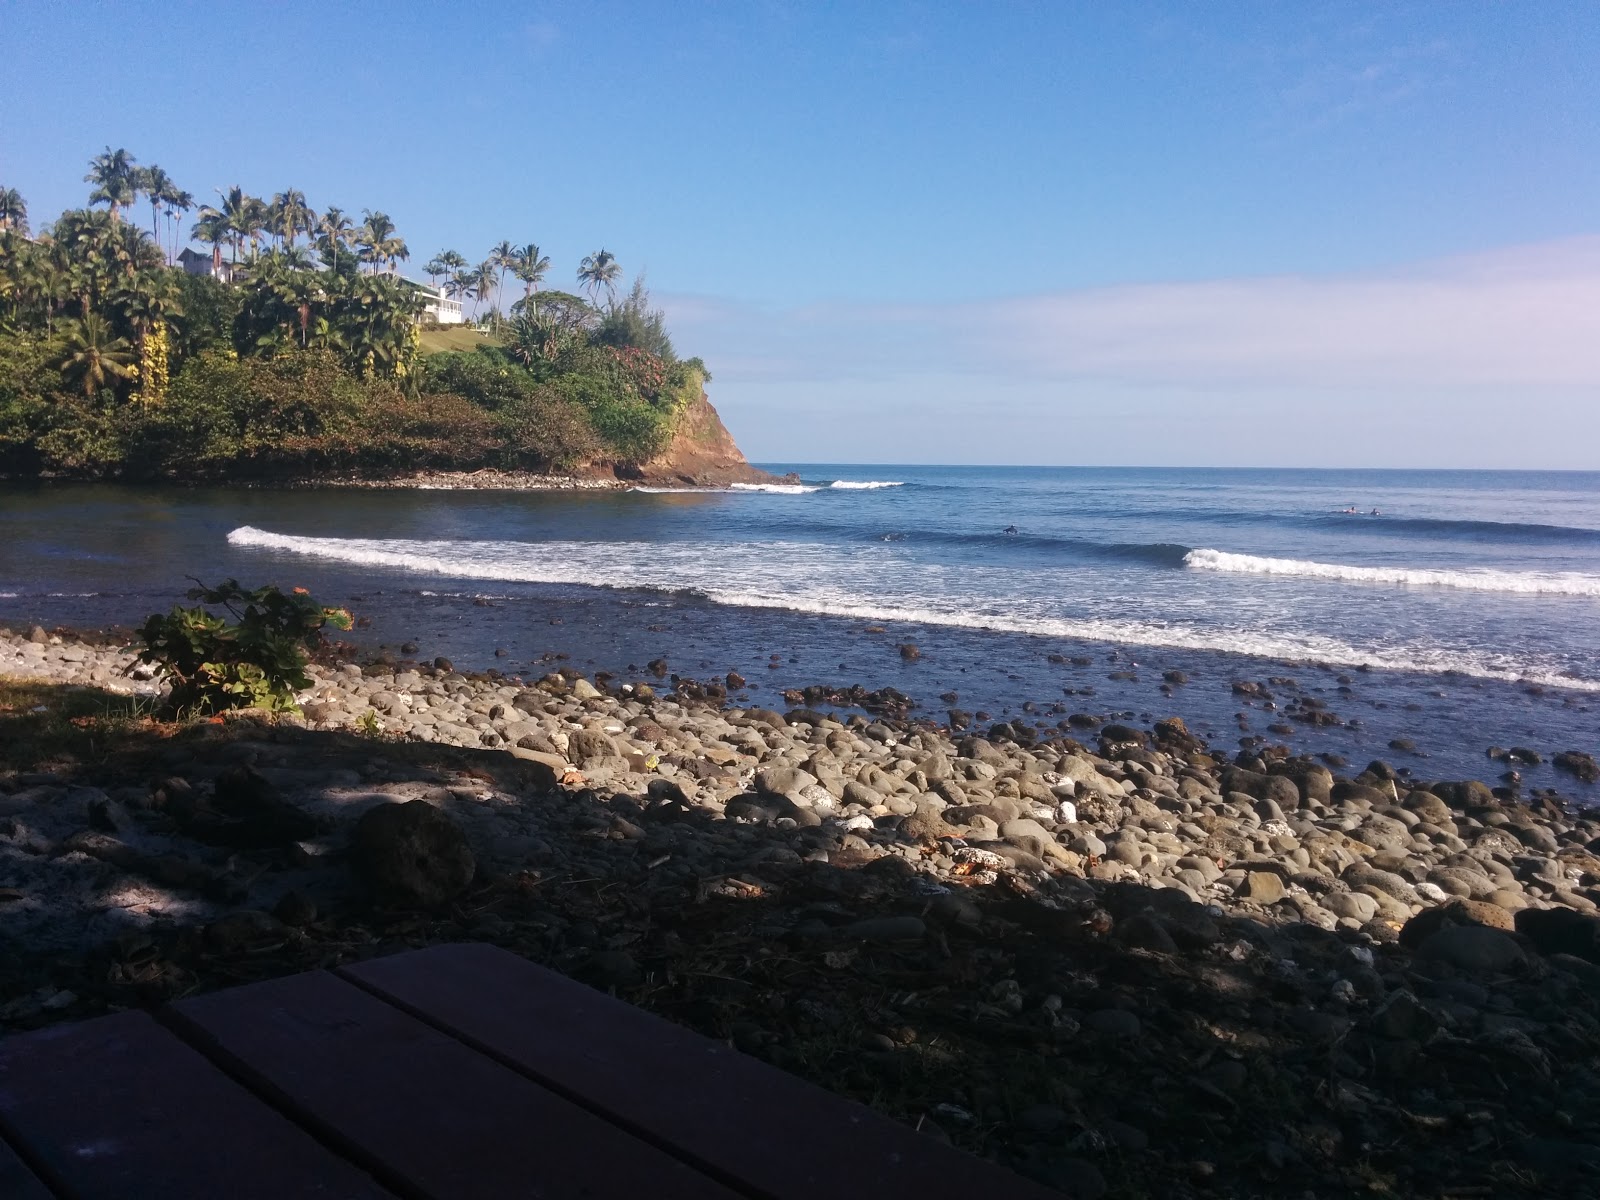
[[702, 569], [784, 489], [1473, 579], [865, 484]]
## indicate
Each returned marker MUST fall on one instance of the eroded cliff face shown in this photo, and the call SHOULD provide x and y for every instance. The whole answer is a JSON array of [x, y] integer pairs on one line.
[[702, 453]]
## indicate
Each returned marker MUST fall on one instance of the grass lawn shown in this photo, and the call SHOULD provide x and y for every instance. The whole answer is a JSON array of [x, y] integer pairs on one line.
[[453, 337]]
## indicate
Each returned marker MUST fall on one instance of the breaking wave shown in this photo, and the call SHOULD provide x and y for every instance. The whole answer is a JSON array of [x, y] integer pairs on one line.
[[785, 489], [833, 581], [865, 484], [1474, 579]]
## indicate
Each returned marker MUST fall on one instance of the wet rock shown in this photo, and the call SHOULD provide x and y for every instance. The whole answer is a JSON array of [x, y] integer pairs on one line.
[[411, 854], [1579, 764]]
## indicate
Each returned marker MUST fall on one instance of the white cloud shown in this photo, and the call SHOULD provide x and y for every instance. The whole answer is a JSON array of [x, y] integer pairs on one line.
[[1520, 317]]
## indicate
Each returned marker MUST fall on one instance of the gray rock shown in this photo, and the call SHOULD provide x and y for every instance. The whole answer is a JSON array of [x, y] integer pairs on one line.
[[588, 744], [783, 780]]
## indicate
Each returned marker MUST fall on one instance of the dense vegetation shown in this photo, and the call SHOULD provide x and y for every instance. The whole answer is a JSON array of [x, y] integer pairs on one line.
[[297, 354]]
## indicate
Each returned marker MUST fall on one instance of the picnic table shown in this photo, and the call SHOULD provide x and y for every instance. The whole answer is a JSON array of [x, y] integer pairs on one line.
[[452, 1073]]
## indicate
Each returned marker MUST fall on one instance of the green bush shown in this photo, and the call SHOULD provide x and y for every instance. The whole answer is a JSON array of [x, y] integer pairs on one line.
[[256, 661]]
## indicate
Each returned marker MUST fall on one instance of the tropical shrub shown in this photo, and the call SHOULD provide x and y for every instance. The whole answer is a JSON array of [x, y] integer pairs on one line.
[[257, 660]]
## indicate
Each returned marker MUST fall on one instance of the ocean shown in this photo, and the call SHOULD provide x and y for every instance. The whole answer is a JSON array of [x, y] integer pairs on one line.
[[1447, 610]]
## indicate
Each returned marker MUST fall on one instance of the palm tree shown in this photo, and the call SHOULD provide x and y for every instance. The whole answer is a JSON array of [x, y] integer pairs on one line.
[[378, 243], [155, 184], [374, 232], [452, 262], [176, 203], [503, 256], [95, 355], [291, 215], [335, 229], [483, 278], [112, 173], [600, 270], [213, 227], [531, 267], [13, 211]]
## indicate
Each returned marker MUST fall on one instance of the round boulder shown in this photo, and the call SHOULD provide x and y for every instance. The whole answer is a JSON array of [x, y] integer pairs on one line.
[[411, 854]]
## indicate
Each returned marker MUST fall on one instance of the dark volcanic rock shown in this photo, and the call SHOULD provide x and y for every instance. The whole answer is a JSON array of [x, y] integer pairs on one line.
[[412, 854]]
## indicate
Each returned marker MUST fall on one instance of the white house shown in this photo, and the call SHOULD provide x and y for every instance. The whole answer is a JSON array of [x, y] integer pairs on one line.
[[446, 310]]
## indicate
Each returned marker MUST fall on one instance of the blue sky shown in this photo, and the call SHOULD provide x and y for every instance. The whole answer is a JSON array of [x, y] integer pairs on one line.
[[1274, 233]]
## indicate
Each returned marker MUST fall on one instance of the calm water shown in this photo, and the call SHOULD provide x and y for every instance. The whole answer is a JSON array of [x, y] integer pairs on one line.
[[1463, 614]]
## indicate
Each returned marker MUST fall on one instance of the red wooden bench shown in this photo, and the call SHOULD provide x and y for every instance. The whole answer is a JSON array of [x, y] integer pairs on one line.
[[450, 1073]]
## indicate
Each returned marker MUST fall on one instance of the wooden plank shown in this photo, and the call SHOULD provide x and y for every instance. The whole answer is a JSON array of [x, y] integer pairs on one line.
[[16, 1181], [735, 1116], [424, 1113], [120, 1108]]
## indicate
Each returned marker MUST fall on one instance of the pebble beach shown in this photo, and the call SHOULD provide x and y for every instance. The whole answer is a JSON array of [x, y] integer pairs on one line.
[[1343, 971]]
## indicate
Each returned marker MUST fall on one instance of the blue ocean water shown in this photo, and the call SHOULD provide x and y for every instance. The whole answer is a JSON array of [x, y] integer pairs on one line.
[[1483, 587]]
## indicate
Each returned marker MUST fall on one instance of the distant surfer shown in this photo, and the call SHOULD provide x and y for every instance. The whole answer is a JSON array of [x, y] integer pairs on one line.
[[1011, 529], [1377, 513]]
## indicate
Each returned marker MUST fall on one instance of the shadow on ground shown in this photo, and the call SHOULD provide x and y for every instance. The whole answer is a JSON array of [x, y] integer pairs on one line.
[[1109, 1039]]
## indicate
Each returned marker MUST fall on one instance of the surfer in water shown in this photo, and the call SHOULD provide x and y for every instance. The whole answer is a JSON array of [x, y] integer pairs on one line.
[[1011, 530]]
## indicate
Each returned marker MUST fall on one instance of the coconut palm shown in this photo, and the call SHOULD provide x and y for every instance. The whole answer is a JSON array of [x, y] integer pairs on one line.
[[504, 257], [600, 270], [115, 182], [335, 229], [155, 184], [94, 355], [531, 267], [214, 228], [13, 211], [290, 215], [176, 203], [484, 279]]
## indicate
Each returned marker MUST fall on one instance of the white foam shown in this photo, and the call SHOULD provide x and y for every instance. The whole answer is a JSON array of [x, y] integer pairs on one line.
[[1475, 579], [666, 491], [865, 484], [785, 489], [854, 583]]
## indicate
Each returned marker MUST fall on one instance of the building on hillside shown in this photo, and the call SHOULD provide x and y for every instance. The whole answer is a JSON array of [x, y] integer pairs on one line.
[[198, 263], [439, 308]]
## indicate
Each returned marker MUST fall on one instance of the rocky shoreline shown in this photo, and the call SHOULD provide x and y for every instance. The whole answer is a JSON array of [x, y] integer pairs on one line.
[[1127, 967]]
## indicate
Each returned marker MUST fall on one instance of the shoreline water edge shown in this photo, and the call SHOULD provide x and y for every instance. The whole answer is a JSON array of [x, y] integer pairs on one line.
[[1176, 937]]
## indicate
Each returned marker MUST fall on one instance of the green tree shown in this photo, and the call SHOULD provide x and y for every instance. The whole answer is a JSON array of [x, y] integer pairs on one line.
[[531, 267], [504, 257], [377, 241], [13, 212], [115, 183], [290, 215], [481, 282], [335, 230], [94, 356], [157, 187], [600, 271]]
